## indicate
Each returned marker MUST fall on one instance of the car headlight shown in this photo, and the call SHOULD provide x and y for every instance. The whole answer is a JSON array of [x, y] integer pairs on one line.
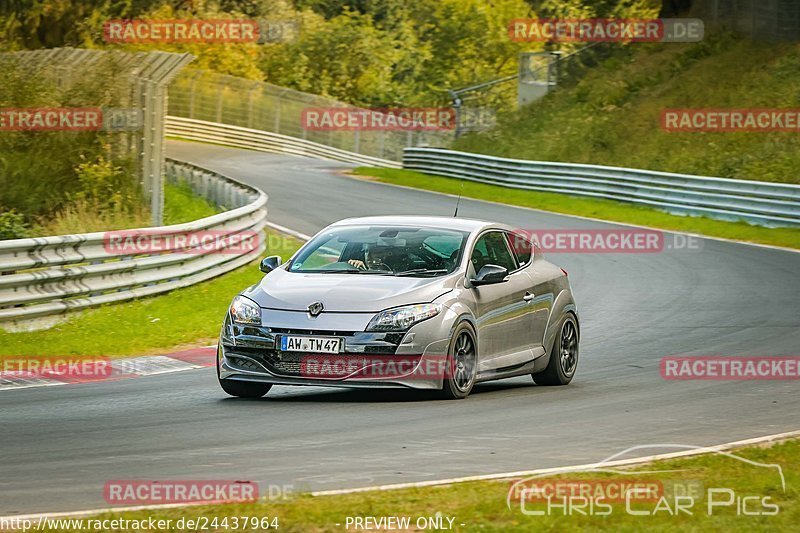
[[245, 311], [402, 318]]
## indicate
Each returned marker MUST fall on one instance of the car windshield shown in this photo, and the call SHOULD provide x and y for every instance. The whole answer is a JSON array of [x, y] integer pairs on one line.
[[382, 250]]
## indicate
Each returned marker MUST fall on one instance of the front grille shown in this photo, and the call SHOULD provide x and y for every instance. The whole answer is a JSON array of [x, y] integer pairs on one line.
[[332, 333], [291, 368], [286, 364]]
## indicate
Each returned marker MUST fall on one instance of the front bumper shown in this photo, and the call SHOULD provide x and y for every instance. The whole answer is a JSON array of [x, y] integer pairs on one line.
[[412, 359]]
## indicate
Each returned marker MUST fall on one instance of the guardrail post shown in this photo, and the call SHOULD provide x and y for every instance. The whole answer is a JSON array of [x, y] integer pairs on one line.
[[277, 113], [220, 94]]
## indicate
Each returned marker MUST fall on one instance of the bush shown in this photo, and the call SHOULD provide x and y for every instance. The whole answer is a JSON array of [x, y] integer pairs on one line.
[[13, 226], [39, 169]]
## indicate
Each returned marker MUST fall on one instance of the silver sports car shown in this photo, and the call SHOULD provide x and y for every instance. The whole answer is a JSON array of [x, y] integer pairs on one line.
[[402, 301]]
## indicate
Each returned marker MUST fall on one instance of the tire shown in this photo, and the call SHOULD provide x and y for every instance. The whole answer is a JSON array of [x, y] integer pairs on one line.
[[241, 389], [462, 364], [563, 356]]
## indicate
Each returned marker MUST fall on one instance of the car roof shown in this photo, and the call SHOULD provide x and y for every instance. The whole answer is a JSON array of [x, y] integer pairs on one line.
[[454, 223]]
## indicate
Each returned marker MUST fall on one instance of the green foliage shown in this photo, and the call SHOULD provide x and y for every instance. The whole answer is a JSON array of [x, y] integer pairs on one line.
[[13, 225], [612, 115], [367, 52], [105, 185], [235, 59], [397, 52], [107, 198], [38, 169], [181, 205], [573, 9], [85, 216], [346, 58]]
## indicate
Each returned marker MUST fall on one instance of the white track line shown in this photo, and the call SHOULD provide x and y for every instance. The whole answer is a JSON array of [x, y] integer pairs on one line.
[[288, 231], [487, 477], [521, 473]]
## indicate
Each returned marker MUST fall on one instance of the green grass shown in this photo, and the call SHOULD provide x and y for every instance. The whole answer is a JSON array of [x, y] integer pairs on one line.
[[481, 506], [182, 205], [612, 116], [159, 324], [587, 207]]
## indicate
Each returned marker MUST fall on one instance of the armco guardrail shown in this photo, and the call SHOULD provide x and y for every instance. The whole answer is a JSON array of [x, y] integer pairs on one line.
[[265, 141], [52, 275], [757, 202]]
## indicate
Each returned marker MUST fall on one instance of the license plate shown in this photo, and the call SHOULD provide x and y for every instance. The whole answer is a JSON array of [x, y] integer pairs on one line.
[[296, 343]]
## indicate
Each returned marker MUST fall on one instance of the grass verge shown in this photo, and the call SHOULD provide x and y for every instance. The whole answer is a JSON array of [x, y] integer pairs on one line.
[[586, 207], [180, 205], [159, 324], [481, 506]]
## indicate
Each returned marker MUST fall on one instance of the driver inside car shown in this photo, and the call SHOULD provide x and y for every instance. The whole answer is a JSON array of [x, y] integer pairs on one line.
[[376, 257]]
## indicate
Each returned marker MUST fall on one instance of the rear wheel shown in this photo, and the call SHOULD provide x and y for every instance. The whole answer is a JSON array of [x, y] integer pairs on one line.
[[563, 356], [462, 364]]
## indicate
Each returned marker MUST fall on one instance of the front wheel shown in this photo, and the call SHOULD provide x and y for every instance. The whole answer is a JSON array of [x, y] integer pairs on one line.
[[241, 389], [563, 357], [462, 364]]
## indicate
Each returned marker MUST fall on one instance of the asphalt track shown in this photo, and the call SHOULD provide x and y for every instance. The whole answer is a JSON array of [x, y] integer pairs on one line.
[[59, 445]]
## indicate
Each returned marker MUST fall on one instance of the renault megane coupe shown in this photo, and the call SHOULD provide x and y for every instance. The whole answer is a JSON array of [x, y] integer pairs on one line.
[[402, 301]]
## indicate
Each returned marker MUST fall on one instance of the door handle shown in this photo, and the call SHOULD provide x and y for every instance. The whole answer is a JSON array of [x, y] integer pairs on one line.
[[528, 296]]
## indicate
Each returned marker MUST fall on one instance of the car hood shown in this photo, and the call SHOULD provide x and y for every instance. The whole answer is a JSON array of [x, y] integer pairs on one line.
[[357, 293]]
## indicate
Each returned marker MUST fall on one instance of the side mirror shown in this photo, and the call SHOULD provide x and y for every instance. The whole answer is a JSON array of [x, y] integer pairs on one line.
[[268, 264], [490, 274]]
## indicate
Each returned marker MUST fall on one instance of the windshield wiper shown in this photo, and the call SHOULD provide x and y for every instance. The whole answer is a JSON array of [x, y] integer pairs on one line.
[[422, 271]]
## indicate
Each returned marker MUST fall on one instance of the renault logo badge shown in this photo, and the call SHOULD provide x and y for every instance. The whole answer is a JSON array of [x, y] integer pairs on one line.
[[315, 308]]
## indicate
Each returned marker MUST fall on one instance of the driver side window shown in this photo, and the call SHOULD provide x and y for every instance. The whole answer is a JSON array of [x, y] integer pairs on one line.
[[492, 249]]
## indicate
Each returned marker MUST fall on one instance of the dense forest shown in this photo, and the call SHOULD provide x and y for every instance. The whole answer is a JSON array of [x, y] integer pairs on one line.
[[368, 52]]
